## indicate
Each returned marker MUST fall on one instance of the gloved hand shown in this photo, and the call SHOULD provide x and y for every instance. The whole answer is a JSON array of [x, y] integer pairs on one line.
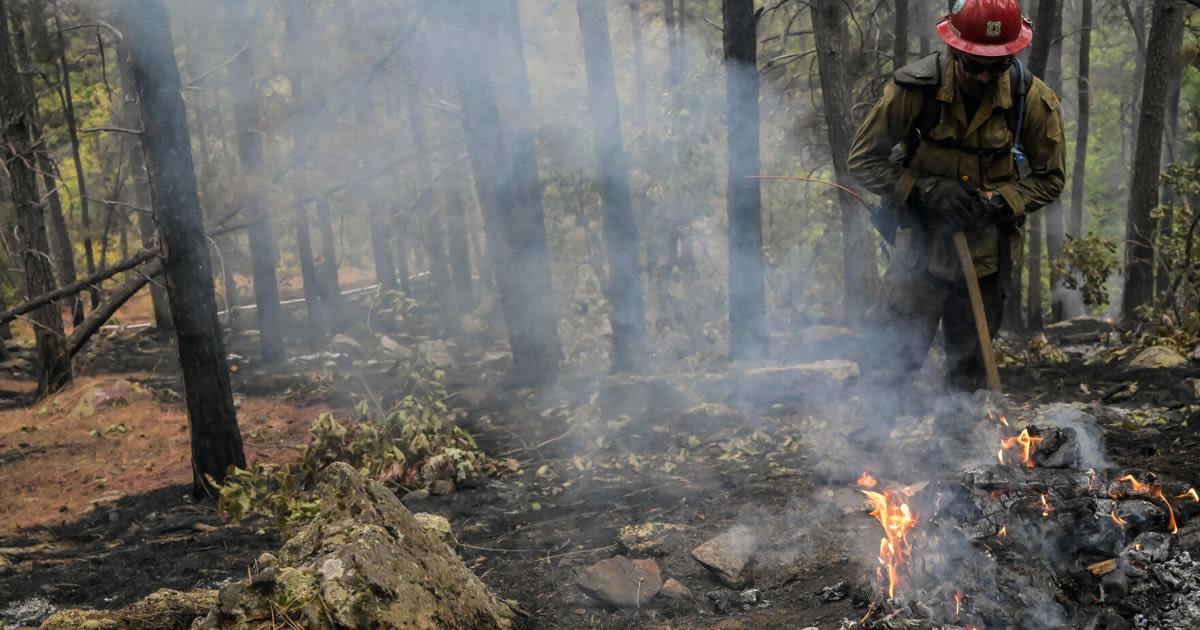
[[998, 209], [949, 202]]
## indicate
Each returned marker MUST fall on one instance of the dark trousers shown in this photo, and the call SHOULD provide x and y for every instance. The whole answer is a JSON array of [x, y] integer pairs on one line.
[[905, 320]]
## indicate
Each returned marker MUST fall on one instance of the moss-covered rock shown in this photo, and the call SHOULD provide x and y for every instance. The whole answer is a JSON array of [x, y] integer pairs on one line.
[[164, 609], [363, 562]]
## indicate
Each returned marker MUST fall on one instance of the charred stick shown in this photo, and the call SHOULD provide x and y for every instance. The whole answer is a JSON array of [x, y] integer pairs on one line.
[[106, 309], [77, 286]]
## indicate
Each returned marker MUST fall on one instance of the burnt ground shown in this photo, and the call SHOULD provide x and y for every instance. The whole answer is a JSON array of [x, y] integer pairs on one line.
[[584, 475]]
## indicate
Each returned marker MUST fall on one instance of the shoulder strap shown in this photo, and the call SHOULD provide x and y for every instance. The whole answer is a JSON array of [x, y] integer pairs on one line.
[[923, 75], [1018, 81]]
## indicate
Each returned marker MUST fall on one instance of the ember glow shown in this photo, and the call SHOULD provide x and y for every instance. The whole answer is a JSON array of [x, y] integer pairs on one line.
[[1118, 520], [897, 519], [866, 480], [1046, 509], [1026, 442]]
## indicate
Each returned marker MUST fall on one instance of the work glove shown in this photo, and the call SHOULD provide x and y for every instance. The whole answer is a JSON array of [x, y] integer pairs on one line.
[[998, 209], [950, 204]]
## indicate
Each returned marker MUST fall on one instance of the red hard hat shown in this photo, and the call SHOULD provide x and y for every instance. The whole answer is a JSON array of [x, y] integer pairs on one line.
[[988, 28]]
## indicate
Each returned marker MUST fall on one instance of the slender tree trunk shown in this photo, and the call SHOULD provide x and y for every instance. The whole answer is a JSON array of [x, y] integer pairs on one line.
[[458, 230], [1050, 27], [1147, 160], [239, 45], [1135, 14], [624, 288], [434, 227], [925, 24], [1082, 118], [1039, 62], [226, 245], [674, 73], [1172, 145], [60, 237], [900, 41], [327, 270], [54, 364], [860, 271], [511, 201], [215, 437], [743, 197], [640, 116], [1014, 319], [80, 179], [297, 24], [381, 245]]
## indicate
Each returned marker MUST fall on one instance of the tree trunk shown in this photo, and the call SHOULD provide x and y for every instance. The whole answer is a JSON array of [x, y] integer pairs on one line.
[[1050, 27], [860, 271], [1147, 160], [458, 231], [669, 15], [511, 201], [640, 116], [900, 36], [925, 24], [297, 25], [1082, 118], [327, 270], [434, 227], [239, 25], [1014, 319], [1172, 145], [381, 244], [1039, 62], [80, 180], [624, 290], [60, 237], [54, 364], [216, 440], [743, 196], [1136, 16]]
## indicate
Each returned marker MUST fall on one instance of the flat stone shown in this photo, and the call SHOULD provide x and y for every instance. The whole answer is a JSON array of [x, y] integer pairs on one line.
[[647, 538], [393, 346], [674, 589], [728, 555], [621, 582], [1158, 357], [345, 344]]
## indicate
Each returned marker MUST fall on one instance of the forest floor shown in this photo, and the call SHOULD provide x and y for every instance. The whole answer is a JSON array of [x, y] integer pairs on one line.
[[95, 512]]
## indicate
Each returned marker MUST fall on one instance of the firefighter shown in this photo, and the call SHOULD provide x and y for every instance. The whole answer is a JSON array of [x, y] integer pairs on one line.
[[964, 139]]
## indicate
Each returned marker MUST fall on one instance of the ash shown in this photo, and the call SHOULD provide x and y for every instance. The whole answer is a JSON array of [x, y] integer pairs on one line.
[[1179, 579]]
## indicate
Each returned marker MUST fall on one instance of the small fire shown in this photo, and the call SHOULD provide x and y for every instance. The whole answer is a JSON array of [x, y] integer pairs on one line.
[[896, 518], [998, 417], [866, 480], [1154, 491], [958, 600], [1028, 446], [1046, 509], [1118, 520], [1190, 494]]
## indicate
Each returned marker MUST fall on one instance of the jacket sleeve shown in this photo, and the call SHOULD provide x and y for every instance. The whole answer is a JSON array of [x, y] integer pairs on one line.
[[1043, 141], [885, 126]]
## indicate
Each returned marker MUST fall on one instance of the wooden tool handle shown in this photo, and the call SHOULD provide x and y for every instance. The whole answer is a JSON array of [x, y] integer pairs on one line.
[[981, 327]]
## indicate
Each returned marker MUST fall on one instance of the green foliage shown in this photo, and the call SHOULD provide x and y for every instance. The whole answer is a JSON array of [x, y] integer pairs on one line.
[[413, 444], [1086, 265]]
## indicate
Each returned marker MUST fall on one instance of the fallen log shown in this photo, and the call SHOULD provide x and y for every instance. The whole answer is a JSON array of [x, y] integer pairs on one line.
[[77, 286], [105, 310]]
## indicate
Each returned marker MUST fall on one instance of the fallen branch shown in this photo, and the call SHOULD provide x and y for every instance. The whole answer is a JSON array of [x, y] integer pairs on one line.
[[106, 309], [76, 287]]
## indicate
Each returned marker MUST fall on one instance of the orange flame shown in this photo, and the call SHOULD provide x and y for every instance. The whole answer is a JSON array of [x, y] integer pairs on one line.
[[896, 518], [1118, 520], [1157, 493], [1028, 445], [1191, 493], [866, 480], [1046, 509], [1154, 491], [1137, 485], [958, 600]]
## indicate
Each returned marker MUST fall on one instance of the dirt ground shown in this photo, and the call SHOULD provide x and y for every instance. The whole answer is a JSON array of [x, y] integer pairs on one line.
[[94, 509]]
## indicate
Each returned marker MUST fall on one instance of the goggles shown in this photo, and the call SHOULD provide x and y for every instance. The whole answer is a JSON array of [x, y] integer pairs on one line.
[[975, 67]]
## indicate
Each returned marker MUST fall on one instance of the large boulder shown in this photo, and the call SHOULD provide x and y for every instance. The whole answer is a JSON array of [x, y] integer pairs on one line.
[[363, 562]]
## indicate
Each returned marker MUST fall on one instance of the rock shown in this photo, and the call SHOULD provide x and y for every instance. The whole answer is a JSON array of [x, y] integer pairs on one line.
[[441, 487], [708, 418], [393, 346], [728, 555], [1158, 357], [815, 382], [416, 495], [725, 602], [648, 537], [621, 582], [345, 344], [674, 589], [363, 562], [107, 395], [435, 524], [437, 351], [1190, 388], [162, 609]]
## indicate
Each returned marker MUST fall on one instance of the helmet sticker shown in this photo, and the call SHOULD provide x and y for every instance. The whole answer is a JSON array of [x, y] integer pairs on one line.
[[993, 29], [958, 5]]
